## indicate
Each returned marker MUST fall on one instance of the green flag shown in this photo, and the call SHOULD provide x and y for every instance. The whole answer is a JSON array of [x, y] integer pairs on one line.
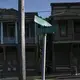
[[42, 22]]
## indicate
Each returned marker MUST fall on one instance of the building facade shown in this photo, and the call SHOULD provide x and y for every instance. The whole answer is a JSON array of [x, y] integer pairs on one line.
[[9, 52], [63, 46], [66, 41]]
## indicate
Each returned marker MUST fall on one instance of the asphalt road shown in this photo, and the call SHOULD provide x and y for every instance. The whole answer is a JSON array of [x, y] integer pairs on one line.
[[69, 78], [37, 78]]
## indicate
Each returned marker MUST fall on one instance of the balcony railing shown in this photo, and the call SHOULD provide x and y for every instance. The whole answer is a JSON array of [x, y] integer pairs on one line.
[[9, 40], [69, 38], [30, 40]]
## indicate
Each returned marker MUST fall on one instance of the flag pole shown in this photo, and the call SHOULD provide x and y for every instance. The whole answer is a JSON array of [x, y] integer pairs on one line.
[[44, 58], [44, 25]]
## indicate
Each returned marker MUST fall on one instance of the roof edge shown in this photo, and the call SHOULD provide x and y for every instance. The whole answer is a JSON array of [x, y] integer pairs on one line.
[[65, 3]]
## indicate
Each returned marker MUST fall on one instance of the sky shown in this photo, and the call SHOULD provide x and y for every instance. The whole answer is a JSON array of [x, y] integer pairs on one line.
[[33, 5]]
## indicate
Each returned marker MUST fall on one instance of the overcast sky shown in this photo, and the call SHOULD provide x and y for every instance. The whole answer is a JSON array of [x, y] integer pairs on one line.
[[33, 5]]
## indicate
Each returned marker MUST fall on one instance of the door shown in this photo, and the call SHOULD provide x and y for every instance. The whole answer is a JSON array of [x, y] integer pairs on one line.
[[76, 56], [31, 61], [2, 62], [11, 62], [62, 57], [8, 62]]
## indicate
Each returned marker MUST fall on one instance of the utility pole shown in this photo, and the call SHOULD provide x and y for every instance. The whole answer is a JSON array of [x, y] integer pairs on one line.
[[21, 20]]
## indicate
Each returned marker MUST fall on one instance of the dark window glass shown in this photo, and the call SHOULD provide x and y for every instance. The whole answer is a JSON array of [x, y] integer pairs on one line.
[[63, 28], [9, 29], [30, 29], [27, 29], [77, 26]]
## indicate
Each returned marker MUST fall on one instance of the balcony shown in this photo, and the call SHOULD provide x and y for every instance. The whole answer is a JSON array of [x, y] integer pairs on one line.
[[12, 40]]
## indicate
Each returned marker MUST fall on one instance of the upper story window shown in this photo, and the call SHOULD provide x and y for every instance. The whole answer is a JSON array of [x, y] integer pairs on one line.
[[63, 28], [30, 29], [77, 26], [9, 29]]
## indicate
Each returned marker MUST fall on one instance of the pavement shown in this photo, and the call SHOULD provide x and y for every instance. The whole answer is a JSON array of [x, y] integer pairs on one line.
[[10, 78], [73, 77], [50, 77]]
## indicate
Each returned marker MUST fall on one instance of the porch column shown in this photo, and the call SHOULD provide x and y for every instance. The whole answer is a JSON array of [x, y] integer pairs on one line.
[[71, 55], [16, 32], [73, 29], [53, 55], [1, 32], [35, 33], [53, 59]]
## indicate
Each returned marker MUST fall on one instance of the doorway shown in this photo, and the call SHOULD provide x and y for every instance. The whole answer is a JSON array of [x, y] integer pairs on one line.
[[76, 56], [2, 61], [8, 62], [62, 58]]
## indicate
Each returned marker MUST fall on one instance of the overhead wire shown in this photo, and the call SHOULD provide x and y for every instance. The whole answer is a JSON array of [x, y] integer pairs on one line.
[[42, 11]]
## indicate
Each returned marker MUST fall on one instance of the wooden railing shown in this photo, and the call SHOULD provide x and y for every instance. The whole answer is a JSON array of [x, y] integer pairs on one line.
[[13, 40]]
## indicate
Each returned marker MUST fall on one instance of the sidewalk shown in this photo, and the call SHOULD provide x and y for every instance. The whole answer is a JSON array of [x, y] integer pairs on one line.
[[48, 77], [10, 78]]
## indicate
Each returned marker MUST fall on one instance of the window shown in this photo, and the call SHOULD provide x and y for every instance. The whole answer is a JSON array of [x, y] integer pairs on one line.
[[63, 28], [29, 29], [32, 29], [77, 26], [9, 29]]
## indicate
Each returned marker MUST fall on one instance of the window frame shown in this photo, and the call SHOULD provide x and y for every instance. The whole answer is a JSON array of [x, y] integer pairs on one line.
[[76, 25], [8, 25], [28, 26], [63, 22], [27, 29]]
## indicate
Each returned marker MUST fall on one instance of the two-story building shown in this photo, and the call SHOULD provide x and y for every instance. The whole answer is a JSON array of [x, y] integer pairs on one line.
[[9, 30], [66, 42]]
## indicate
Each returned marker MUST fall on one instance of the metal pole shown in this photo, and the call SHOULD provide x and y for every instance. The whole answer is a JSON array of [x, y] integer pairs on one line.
[[44, 59], [22, 37]]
